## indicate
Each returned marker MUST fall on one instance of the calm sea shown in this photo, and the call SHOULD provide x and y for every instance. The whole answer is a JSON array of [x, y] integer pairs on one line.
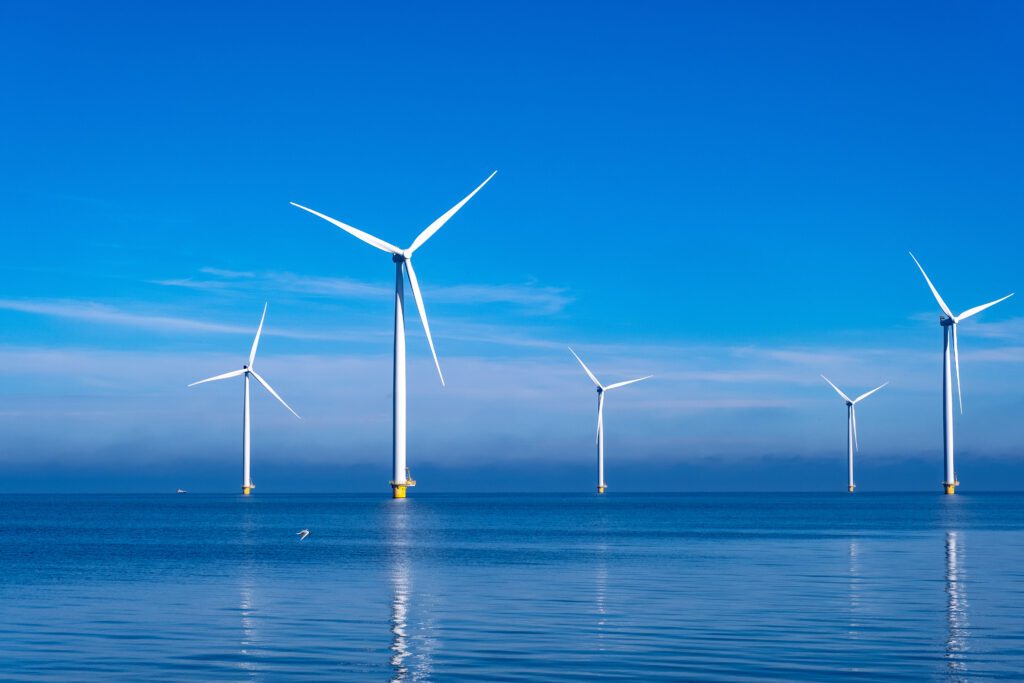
[[517, 588]]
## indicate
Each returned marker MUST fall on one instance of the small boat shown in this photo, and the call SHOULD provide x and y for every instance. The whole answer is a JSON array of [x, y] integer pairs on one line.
[[181, 491]]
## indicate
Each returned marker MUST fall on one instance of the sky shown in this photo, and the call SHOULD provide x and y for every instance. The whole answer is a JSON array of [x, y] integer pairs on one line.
[[721, 194]]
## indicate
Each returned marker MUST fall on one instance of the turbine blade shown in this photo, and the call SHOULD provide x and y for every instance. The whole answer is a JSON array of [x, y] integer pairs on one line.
[[853, 411], [845, 397], [600, 417], [935, 292], [272, 392], [233, 373], [978, 309], [864, 396], [436, 225], [586, 369], [423, 313], [956, 361], [256, 341], [355, 232], [622, 384]]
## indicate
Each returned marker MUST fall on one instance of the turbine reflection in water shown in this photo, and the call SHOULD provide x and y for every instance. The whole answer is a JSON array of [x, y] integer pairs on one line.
[[956, 608], [246, 609], [855, 588], [398, 539], [246, 599], [400, 621], [601, 594]]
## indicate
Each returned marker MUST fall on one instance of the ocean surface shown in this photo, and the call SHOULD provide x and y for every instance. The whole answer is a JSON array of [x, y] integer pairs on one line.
[[513, 587]]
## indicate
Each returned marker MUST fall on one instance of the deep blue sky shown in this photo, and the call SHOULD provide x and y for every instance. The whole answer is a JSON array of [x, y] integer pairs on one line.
[[722, 194]]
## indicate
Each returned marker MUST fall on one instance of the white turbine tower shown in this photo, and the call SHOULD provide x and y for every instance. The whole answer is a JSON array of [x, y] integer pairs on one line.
[[949, 324], [851, 426], [601, 389], [247, 371], [403, 259]]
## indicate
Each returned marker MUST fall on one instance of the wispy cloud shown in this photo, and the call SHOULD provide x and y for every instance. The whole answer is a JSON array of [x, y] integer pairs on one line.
[[528, 297], [101, 314], [1011, 328]]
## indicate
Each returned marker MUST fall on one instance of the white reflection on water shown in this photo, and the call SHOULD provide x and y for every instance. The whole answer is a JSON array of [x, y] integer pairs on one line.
[[601, 592], [246, 609], [246, 602], [400, 620], [855, 589], [956, 608], [412, 640], [398, 542]]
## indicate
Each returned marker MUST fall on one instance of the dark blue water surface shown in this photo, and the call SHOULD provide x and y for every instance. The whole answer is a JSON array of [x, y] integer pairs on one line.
[[542, 588]]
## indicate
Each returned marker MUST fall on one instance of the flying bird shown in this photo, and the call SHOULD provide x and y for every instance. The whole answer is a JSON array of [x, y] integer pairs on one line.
[[302, 534]]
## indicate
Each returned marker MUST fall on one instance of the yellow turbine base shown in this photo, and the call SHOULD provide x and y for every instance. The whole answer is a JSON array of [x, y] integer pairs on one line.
[[246, 490], [600, 489], [851, 487], [950, 489], [398, 491]]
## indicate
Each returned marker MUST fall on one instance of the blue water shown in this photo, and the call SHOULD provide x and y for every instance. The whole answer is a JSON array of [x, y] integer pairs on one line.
[[517, 588]]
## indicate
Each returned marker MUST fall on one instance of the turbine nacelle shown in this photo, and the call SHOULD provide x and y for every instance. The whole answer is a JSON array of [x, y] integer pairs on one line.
[[601, 389], [403, 257], [247, 368], [851, 403], [951, 321]]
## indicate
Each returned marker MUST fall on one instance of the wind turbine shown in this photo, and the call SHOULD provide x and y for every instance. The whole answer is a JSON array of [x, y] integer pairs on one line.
[[247, 371], [402, 258], [601, 389], [949, 323], [851, 426]]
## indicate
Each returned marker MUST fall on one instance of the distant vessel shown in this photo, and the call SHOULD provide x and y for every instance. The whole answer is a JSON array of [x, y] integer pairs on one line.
[[181, 491]]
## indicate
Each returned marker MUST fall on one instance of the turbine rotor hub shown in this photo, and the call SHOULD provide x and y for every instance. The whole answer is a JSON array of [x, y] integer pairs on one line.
[[946, 321]]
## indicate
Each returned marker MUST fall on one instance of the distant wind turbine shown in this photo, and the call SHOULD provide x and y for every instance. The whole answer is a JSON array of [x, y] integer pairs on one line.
[[601, 389], [403, 259], [851, 425], [949, 324], [246, 371]]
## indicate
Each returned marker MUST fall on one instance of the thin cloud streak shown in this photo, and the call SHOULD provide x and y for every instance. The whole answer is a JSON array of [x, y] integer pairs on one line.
[[101, 314], [532, 299]]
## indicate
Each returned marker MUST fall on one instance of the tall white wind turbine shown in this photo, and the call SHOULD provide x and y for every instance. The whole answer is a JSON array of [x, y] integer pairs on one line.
[[851, 426], [247, 371], [601, 389], [402, 259], [949, 324]]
